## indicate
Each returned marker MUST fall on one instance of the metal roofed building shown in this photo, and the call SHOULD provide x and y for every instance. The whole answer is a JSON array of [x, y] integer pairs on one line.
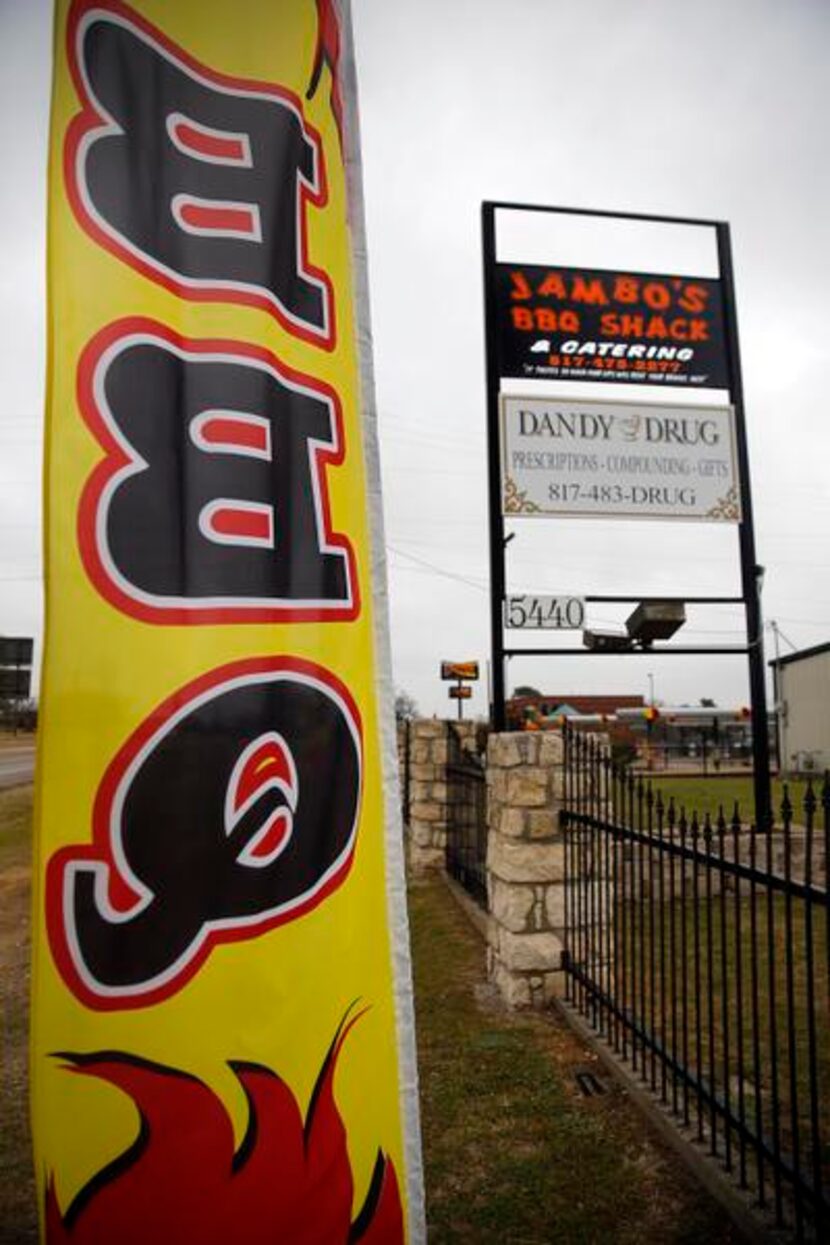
[[552, 706], [802, 698]]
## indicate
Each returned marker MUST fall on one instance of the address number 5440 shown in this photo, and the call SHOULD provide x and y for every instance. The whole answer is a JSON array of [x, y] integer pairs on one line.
[[545, 613]]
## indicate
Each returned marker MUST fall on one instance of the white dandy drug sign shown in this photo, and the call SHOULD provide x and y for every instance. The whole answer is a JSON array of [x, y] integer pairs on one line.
[[618, 459]]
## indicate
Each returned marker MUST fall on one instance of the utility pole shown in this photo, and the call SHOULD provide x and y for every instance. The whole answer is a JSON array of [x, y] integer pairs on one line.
[[779, 706]]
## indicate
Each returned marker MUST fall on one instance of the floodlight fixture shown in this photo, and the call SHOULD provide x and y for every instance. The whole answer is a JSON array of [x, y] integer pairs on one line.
[[655, 620], [607, 641]]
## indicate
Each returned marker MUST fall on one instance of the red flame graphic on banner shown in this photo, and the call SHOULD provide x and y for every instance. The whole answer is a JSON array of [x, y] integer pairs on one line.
[[181, 1180], [327, 52]]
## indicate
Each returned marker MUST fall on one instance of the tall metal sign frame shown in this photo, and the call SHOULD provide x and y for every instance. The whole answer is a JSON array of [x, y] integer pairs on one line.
[[751, 572]]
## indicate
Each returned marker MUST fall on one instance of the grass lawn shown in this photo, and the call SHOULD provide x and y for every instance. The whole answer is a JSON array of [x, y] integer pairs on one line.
[[708, 795], [17, 1213], [514, 1154], [731, 980], [698, 1020]]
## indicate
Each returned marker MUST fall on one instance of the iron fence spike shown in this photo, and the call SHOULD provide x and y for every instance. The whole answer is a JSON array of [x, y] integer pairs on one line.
[[786, 805]]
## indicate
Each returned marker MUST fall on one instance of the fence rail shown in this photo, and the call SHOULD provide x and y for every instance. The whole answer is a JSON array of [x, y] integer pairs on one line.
[[466, 853], [699, 949]]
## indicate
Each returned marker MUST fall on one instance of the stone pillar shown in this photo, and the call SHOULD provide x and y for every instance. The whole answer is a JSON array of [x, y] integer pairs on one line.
[[525, 866], [428, 792]]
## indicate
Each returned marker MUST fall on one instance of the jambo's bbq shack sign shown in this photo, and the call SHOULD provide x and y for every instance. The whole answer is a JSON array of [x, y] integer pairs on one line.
[[546, 323], [618, 459], [591, 325]]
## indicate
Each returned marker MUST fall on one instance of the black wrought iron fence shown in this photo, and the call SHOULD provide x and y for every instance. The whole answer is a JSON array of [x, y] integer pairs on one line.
[[699, 949], [405, 767], [466, 854]]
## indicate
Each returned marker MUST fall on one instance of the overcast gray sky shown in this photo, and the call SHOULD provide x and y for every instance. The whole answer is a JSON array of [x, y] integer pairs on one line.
[[715, 110]]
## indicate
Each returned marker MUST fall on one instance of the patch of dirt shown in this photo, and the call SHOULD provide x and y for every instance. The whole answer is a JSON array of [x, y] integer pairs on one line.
[[673, 1195], [11, 881], [677, 1208]]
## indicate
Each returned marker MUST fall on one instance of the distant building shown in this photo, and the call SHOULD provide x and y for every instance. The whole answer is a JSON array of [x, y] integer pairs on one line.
[[802, 696], [519, 708], [685, 736]]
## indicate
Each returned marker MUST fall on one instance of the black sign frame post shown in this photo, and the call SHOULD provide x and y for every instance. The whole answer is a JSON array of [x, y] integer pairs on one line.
[[751, 572]]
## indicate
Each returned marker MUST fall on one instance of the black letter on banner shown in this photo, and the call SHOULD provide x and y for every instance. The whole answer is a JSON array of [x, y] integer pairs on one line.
[[233, 809], [211, 505], [198, 180]]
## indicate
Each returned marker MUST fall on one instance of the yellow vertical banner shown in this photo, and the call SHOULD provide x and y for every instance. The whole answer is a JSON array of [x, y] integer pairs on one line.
[[222, 1042]]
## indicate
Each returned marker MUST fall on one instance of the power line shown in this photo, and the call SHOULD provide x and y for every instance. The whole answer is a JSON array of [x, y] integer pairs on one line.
[[808, 622], [437, 570], [777, 632]]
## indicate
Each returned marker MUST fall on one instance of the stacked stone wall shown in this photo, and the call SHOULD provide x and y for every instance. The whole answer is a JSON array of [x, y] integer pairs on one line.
[[526, 854], [429, 752], [525, 867]]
